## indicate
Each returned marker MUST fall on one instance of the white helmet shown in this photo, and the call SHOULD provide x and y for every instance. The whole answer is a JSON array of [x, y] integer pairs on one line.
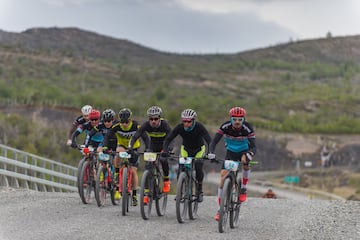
[[86, 109], [188, 113], [154, 111]]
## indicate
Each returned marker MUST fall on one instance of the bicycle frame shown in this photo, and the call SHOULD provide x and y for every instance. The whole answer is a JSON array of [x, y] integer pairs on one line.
[[125, 171]]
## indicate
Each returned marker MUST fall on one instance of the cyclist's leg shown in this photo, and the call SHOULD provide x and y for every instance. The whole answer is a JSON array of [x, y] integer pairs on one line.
[[245, 179], [165, 167], [134, 163]]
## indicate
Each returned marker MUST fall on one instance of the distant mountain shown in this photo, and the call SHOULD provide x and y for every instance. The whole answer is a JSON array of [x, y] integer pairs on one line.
[[308, 87]]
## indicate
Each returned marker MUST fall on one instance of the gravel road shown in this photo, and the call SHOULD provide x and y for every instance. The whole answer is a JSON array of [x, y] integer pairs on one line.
[[38, 215]]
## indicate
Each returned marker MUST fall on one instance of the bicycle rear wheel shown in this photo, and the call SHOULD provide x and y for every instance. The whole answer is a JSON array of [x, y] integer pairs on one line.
[[224, 205], [193, 203], [124, 192], [86, 183], [101, 186], [160, 197], [182, 199], [235, 207], [146, 195]]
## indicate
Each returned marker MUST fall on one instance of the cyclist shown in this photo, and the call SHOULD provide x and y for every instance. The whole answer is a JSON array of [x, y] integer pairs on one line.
[[107, 120], [85, 110], [124, 130], [240, 145], [95, 140], [157, 129], [193, 134], [269, 194]]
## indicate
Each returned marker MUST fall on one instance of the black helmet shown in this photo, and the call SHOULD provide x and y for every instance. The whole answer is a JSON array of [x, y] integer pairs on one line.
[[108, 115], [124, 115]]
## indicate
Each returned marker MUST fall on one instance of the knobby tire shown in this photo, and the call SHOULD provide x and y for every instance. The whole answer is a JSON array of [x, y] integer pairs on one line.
[[182, 200]]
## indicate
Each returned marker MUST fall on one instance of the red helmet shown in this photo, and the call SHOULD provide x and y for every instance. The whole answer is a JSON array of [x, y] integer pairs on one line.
[[94, 114], [237, 112]]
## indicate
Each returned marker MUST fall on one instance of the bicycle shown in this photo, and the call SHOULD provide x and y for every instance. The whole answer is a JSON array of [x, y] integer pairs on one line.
[[105, 182], [87, 175], [187, 190], [125, 184], [80, 165], [230, 202], [151, 187]]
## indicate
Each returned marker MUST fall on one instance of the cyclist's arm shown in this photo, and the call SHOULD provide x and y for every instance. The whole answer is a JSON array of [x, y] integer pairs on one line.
[[214, 142], [76, 134], [170, 137]]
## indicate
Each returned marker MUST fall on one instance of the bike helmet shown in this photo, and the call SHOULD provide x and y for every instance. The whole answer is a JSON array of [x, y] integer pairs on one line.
[[125, 114], [94, 114], [154, 111], [86, 109], [108, 115], [237, 112], [188, 114]]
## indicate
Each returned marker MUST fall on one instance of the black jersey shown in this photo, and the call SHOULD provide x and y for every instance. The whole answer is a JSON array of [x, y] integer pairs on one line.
[[77, 122], [192, 140], [101, 129], [157, 135]]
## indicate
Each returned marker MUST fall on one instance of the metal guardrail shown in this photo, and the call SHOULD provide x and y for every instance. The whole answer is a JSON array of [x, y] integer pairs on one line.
[[19, 169]]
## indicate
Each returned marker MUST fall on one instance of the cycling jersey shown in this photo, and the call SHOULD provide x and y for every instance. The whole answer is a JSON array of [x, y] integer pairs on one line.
[[101, 128], [124, 135], [236, 140], [94, 141], [157, 135], [77, 122], [192, 140]]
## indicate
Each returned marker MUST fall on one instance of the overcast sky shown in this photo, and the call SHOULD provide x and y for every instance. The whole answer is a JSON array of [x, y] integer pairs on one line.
[[190, 26]]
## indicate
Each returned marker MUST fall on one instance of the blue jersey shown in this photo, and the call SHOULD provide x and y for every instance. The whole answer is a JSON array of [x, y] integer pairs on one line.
[[236, 140]]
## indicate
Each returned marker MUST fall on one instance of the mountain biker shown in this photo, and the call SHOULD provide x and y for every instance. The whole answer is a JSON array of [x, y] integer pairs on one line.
[[85, 110], [157, 128], [124, 130], [240, 145], [193, 134], [96, 139], [269, 194], [107, 120]]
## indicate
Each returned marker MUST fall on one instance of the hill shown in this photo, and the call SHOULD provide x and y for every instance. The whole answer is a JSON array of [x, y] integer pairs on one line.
[[299, 96]]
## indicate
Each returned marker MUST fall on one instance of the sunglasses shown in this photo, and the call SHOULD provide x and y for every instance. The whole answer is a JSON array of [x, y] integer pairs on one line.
[[108, 120], [187, 121], [95, 119], [124, 121], [153, 119], [237, 119]]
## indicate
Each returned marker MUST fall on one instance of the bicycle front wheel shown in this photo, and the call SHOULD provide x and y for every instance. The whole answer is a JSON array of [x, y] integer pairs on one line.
[[235, 207], [101, 186], [182, 199], [81, 163], [160, 197], [86, 183], [124, 192], [224, 205]]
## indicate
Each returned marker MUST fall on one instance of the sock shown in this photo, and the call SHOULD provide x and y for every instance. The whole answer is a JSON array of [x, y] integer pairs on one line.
[[245, 178], [134, 192]]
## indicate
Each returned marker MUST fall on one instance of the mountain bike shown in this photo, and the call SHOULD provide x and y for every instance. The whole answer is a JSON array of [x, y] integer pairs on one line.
[[105, 182], [230, 202], [88, 174], [80, 165], [151, 187], [125, 184], [187, 189]]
